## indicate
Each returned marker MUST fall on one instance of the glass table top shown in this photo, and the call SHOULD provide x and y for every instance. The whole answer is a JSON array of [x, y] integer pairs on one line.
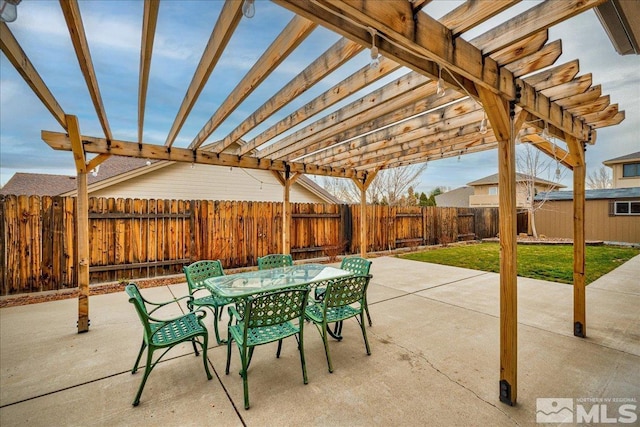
[[251, 282]]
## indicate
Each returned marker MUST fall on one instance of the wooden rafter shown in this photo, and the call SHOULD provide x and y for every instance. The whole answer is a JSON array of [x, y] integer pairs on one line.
[[150, 17], [536, 61], [539, 17], [473, 13], [373, 103], [72, 16], [337, 93], [25, 68], [524, 47], [228, 20], [335, 56], [292, 35], [555, 76]]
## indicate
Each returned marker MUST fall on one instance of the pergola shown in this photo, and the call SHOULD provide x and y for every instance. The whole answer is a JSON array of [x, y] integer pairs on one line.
[[458, 96]]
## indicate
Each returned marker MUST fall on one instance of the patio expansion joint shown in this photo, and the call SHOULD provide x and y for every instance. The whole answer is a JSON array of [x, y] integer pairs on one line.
[[520, 322], [445, 375]]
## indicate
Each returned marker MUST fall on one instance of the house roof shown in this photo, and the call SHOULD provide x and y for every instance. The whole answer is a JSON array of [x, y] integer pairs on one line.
[[621, 159], [113, 170], [606, 193], [493, 179], [457, 198]]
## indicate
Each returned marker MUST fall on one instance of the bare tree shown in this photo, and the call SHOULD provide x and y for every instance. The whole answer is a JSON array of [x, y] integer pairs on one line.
[[533, 165], [388, 186], [599, 178]]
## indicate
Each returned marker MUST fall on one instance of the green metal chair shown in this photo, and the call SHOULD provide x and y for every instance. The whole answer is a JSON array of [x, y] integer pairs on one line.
[[356, 265], [267, 318], [274, 261], [344, 298], [196, 273], [165, 333]]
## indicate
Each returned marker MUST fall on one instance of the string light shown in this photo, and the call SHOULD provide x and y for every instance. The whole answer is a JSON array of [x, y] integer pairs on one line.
[[249, 8], [193, 165], [440, 86], [545, 131], [95, 170], [148, 162], [375, 57], [483, 124]]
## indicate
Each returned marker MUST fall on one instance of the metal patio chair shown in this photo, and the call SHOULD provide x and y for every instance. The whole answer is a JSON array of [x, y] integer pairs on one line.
[[274, 261], [343, 299], [165, 333], [267, 318], [196, 273]]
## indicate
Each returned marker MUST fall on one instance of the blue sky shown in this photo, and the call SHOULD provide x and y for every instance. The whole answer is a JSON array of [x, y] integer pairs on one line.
[[113, 33]]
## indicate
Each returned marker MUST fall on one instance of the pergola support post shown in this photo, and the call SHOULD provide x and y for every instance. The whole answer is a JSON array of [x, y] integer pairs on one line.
[[501, 116], [579, 241], [286, 180], [82, 221], [363, 185]]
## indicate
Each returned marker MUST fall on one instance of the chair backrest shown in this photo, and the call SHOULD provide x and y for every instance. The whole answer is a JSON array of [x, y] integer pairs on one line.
[[137, 300], [356, 265], [197, 272], [346, 291], [275, 307], [274, 261]]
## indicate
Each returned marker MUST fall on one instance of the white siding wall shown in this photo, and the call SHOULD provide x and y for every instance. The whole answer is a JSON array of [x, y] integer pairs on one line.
[[180, 181]]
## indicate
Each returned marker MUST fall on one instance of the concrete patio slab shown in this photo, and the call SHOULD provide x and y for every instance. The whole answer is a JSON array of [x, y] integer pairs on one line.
[[434, 361]]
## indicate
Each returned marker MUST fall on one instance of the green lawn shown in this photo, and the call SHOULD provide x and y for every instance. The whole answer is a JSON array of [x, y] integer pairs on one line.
[[546, 262]]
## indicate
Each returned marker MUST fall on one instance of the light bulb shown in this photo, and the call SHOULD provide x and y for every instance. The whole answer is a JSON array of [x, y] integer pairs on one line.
[[94, 171], [545, 132], [440, 85], [375, 58], [148, 162], [8, 10], [557, 172], [483, 125], [249, 8], [193, 165]]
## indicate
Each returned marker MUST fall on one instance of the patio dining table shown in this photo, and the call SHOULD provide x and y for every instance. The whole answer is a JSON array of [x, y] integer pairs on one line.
[[242, 285]]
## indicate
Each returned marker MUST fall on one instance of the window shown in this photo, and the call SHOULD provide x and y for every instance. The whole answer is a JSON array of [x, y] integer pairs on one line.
[[627, 208], [493, 191], [630, 170]]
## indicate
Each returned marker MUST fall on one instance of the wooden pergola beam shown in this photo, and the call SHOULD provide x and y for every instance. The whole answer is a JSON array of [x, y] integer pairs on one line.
[[149, 20], [542, 16], [411, 40], [536, 61], [334, 57], [293, 34], [18, 58], [518, 50], [60, 141], [555, 76], [473, 13], [72, 16], [360, 79], [389, 97], [226, 24]]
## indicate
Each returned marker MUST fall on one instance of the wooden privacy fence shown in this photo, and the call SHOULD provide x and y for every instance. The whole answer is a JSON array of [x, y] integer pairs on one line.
[[135, 238]]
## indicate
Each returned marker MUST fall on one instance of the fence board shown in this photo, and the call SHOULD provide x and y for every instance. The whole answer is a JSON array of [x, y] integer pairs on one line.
[[135, 238]]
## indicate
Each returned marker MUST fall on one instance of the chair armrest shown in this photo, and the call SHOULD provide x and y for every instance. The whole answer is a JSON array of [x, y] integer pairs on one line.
[[201, 314], [162, 304], [233, 313]]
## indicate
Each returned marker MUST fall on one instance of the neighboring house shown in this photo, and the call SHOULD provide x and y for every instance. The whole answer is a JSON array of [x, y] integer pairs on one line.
[[124, 177], [611, 215], [626, 170], [485, 190], [458, 198]]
